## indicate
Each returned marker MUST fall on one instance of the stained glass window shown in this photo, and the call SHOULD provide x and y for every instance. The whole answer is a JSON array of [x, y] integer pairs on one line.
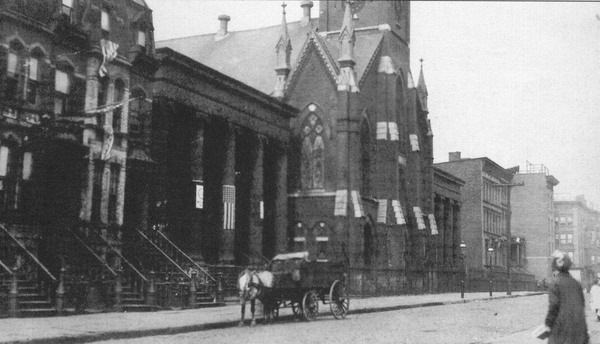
[[313, 151]]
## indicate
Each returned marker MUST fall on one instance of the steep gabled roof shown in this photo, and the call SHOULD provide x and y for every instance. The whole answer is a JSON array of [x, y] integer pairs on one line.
[[250, 57]]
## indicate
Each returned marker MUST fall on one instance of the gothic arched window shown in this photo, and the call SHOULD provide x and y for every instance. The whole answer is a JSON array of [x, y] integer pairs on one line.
[[313, 151]]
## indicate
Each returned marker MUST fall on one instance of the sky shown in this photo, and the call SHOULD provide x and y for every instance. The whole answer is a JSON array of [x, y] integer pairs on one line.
[[515, 82]]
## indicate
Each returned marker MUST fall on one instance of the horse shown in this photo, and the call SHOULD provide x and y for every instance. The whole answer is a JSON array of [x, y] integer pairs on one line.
[[254, 285]]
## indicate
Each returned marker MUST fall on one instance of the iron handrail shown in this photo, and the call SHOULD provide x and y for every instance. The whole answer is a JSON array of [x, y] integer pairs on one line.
[[31, 255], [185, 255], [131, 266], [6, 268], [91, 251], [189, 275]]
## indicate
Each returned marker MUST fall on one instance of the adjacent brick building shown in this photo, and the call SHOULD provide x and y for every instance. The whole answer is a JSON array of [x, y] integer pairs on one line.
[[532, 220], [578, 234], [485, 216]]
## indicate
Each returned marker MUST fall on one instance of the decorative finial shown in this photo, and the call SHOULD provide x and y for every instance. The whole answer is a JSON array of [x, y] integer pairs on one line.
[[421, 62], [283, 5]]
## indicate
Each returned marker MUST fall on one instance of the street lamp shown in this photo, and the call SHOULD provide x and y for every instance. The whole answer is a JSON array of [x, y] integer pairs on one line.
[[463, 246], [490, 253]]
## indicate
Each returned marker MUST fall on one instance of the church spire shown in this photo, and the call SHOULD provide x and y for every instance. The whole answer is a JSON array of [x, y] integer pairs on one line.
[[422, 90], [283, 50], [347, 76], [347, 38]]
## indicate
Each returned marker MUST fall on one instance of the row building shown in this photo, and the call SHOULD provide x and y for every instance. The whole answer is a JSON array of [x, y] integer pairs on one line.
[[138, 175]]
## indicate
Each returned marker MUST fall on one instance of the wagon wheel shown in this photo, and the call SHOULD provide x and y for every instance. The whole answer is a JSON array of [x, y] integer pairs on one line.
[[296, 308], [339, 302], [310, 305]]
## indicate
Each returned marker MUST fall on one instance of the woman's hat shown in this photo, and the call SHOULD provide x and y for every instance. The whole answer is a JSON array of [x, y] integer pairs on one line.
[[561, 260]]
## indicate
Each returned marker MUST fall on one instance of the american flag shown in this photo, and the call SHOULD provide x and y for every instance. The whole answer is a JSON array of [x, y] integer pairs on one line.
[[109, 52], [228, 207]]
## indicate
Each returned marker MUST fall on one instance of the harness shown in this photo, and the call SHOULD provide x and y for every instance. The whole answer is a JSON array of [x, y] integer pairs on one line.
[[259, 286]]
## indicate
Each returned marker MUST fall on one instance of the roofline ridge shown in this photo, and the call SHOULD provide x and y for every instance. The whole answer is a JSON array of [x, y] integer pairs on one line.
[[229, 32]]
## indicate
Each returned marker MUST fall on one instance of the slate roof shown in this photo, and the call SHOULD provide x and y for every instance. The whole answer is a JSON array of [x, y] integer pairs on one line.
[[250, 57]]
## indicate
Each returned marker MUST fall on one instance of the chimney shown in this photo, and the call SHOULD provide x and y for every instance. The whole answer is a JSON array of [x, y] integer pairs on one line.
[[454, 156], [223, 18], [306, 6]]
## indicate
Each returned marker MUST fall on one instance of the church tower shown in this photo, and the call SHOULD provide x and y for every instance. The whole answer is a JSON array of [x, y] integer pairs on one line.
[[390, 17], [367, 13]]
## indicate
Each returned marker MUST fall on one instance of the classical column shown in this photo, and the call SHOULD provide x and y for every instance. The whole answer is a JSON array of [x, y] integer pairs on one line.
[[281, 201], [228, 234], [85, 213], [449, 204], [456, 229], [91, 84], [257, 202], [91, 102], [197, 186], [121, 191], [447, 229], [439, 218]]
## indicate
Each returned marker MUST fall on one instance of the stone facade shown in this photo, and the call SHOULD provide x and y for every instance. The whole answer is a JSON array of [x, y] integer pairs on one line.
[[213, 132]]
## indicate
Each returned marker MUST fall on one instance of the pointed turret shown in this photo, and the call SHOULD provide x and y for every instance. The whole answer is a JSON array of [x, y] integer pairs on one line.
[[422, 90], [347, 76], [283, 50]]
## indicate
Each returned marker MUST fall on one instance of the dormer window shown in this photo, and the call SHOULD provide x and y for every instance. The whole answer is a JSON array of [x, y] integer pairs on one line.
[[141, 38], [105, 20]]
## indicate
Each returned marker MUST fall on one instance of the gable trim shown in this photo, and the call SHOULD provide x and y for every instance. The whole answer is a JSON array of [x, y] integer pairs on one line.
[[313, 42]]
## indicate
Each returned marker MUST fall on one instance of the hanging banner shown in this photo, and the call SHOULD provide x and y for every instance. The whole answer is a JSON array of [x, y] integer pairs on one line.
[[199, 196]]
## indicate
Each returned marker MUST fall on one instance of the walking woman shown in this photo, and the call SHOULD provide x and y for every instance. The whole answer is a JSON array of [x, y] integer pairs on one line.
[[566, 311]]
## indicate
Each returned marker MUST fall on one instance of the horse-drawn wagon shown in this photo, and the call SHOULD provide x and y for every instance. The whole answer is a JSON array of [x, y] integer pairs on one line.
[[300, 283]]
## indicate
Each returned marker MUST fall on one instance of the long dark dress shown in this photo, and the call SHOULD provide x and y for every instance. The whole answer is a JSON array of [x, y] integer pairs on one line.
[[566, 311]]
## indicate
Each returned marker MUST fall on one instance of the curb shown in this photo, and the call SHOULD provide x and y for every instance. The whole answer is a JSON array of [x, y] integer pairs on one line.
[[86, 338]]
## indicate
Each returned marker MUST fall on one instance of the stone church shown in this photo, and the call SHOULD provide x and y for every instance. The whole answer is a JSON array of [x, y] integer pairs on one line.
[[359, 174]]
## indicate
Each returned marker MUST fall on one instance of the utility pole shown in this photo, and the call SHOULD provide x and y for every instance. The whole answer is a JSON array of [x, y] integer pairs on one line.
[[508, 247]]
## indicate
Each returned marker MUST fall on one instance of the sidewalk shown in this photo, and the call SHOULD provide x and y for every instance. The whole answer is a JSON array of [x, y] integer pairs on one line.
[[103, 326]]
